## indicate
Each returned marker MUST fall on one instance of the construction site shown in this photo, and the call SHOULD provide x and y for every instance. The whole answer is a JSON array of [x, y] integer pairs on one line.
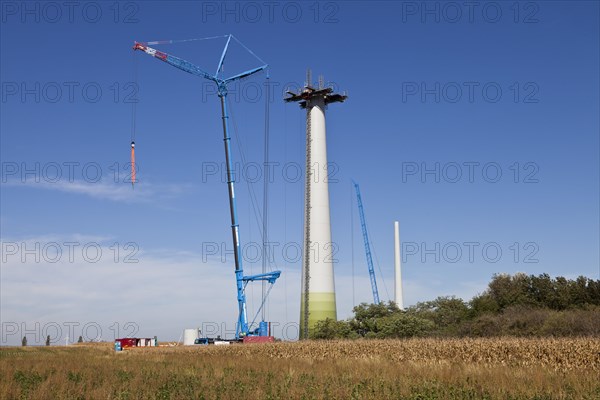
[[299, 200], [318, 300]]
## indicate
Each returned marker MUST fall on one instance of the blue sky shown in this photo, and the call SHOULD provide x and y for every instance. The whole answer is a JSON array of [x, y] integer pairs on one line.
[[466, 94]]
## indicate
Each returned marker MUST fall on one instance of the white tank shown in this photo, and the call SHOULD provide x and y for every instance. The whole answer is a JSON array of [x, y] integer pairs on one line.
[[189, 336]]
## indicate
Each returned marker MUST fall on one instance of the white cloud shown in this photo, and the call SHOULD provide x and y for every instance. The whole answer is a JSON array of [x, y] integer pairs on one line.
[[119, 192], [160, 295], [163, 293]]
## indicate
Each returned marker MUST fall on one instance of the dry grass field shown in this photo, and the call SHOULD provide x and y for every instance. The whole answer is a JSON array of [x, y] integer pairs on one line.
[[504, 368]]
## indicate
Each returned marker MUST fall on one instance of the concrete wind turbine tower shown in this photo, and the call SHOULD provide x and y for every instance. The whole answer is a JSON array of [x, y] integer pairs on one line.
[[398, 298], [318, 289]]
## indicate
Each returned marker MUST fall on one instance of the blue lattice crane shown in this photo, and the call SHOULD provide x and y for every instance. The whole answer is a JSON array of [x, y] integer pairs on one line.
[[242, 325], [363, 225]]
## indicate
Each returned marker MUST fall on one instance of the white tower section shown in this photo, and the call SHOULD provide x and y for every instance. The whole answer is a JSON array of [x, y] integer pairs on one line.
[[398, 268], [318, 288], [317, 236]]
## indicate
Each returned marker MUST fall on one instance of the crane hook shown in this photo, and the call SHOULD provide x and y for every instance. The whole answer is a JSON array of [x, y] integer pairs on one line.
[[132, 163]]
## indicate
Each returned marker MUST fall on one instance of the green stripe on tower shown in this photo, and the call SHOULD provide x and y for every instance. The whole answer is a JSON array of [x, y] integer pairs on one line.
[[321, 306]]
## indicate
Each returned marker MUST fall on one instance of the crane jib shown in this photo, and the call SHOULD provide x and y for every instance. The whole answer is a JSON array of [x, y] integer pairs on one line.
[[243, 328]]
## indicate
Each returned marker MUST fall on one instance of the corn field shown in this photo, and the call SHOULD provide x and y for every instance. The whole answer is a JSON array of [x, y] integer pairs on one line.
[[502, 368]]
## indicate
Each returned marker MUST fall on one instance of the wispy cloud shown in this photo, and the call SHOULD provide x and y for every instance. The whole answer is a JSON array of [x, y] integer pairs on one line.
[[119, 192]]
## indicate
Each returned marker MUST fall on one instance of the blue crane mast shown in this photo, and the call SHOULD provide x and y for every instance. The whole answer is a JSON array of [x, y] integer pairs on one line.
[[242, 325], [363, 225]]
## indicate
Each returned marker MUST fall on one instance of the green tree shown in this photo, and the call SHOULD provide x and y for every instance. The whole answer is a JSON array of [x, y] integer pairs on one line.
[[518, 305], [482, 304], [332, 329], [443, 311], [403, 326], [509, 290], [562, 297], [366, 316], [593, 289], [48, 340], [80, 340], [24, 341], [578, 292], [542, 290]]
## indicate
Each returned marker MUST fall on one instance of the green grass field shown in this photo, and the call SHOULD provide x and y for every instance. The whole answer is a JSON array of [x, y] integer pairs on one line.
[[395, 369]]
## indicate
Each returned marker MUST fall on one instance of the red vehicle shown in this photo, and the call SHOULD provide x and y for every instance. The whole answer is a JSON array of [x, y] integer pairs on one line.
[[125, 343]]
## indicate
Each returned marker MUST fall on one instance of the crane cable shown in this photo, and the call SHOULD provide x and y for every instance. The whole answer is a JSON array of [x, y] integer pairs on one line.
[[159, 42], [252, 193], [133, 121], [155, 42], [240, 147], [132, 164], [352, 240], [266, 178], [285, 160]]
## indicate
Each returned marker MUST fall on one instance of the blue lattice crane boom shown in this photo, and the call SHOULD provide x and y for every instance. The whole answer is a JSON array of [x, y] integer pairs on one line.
[[242, 326], [363, 225]]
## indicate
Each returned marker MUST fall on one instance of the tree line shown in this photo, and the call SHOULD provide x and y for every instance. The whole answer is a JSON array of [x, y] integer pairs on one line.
[[512, 305]]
